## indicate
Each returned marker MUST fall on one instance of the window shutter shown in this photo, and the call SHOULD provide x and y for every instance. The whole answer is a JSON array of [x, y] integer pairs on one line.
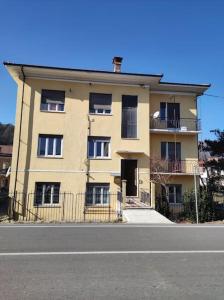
[[163, 150], [171, 151], [129, 116], [52, 96], [162, 110], [100, 101], [178, 193], [178, 151]]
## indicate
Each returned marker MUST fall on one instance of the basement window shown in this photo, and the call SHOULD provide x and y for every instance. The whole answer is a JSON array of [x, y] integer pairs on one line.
[[52, 100], [47, 193], [100, 103], [97, 193]]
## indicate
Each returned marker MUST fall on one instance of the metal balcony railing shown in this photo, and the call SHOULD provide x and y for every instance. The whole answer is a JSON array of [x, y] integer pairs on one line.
[[182, 124], [174, 166]]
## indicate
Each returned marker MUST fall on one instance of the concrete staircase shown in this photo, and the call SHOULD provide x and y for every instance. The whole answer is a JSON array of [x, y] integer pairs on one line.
[[144, 216]]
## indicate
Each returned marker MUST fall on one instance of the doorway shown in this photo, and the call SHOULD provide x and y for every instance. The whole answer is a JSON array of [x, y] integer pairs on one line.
[[170, 112], [129, 173]]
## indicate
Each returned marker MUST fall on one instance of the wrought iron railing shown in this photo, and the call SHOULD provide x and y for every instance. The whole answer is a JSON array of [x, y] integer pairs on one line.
[[174, 166], [182, 124], [145, 196], [66, 207]]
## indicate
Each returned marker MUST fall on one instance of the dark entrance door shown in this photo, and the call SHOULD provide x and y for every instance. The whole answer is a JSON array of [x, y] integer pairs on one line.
[[129, 173]]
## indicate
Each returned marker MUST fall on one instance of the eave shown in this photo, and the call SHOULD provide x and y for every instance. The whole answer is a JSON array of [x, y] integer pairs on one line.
[[80, 75], [151, 81]]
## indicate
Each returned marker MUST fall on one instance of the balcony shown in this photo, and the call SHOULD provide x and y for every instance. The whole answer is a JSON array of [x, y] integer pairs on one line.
[[182, 125], [177, 167]]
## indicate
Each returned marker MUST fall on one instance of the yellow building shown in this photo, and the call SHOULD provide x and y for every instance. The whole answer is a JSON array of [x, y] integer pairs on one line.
[[82, 132]]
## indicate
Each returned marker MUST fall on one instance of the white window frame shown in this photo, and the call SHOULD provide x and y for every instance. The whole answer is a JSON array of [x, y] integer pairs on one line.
[[46, 146], [55, 102], [54, 110], [96, 112], [102, 187], [102, 141], [44, 185]]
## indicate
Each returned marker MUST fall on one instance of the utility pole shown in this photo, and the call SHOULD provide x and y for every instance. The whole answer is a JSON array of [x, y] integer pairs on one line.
[[196, 193]]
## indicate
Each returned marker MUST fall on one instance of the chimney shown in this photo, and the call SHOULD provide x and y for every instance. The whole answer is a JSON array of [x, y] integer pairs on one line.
[[117, 63]]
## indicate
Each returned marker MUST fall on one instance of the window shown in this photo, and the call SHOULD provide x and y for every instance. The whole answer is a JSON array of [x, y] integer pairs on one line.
[[171, 154], [52, 100], [100, 103], [174, 193], [50, 145], [129, 117], [97, 193], [171, 151], [170, 113], [47, 193], [98, 147]]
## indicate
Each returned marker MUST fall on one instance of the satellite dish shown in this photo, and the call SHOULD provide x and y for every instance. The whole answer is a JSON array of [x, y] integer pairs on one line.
[[8, 172], [155, 115]]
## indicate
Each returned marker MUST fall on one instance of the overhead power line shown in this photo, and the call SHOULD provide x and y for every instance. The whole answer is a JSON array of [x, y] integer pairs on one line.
[[215, 96]]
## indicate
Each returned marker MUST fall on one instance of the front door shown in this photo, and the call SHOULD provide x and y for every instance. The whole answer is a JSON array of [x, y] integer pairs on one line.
[[129, 173]]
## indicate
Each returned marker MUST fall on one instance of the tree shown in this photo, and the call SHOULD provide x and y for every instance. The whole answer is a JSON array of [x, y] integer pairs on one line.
[[6, 134], [214, 164], [159, 175]]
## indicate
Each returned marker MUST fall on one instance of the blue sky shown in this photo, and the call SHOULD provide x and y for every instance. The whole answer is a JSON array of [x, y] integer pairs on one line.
[[181, 38]]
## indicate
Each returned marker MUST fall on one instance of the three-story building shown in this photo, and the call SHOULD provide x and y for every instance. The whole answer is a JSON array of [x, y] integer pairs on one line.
[[85, 131]]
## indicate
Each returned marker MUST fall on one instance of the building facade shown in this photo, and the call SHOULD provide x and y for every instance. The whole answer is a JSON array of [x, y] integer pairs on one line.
[[84, 131], [5, 163]]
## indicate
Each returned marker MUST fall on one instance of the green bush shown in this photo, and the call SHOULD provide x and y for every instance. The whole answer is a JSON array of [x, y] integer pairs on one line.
[[162, 206], [206, 211]]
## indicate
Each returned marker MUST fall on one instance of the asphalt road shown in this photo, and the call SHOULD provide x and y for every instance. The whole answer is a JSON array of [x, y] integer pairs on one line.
[[111, 262]]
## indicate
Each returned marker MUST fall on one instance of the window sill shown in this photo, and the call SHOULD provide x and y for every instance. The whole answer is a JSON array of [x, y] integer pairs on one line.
[[104, 115], [97, 205], [130, 139], [51, 157], [48, 206], [53, 111], [103, 158]]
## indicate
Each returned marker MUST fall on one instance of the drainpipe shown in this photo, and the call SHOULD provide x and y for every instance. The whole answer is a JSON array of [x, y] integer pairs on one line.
[[20, 129], [197, 122], [88, 161]]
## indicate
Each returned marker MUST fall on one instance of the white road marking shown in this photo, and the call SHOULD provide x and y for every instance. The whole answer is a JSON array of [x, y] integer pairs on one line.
[[110, 226], [113, 252]]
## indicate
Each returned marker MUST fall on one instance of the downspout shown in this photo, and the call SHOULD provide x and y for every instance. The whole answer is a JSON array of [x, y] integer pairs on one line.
[[88, 161], [197, 128], [87, 165], [20, 129], [197, 122]]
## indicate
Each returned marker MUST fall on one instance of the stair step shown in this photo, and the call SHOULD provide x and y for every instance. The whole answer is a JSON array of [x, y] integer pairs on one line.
[[134, 202], [145, 216]]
